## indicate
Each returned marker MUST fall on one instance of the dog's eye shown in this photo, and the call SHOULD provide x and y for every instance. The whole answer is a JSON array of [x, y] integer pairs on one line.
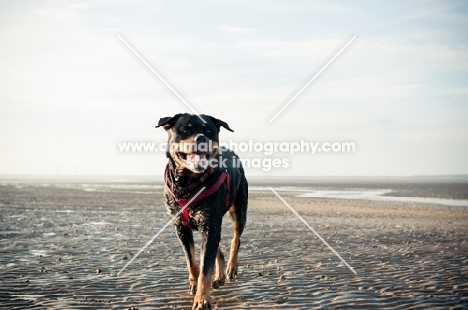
[[186, 131], [208, 130]]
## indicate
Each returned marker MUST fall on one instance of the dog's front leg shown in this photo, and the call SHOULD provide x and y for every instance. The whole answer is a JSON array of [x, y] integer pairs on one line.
[[186, 239], [211, 237]]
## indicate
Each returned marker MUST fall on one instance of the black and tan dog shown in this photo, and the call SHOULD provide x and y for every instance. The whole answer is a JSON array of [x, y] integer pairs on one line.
[[196, 161]]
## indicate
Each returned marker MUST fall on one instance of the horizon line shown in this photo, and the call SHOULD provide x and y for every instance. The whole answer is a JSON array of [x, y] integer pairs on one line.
[[254, 176]]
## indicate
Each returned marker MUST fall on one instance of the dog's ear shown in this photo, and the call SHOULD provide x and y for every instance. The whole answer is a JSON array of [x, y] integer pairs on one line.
[[168, 122], [219, 123]]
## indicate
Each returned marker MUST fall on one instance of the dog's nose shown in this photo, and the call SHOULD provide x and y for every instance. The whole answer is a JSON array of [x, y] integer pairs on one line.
[[201, 139]]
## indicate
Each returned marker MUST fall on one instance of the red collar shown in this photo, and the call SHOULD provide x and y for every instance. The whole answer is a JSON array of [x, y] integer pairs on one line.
[[182, 202]]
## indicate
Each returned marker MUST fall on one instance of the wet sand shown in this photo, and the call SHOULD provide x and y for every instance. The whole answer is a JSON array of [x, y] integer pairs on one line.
[[62, 245]]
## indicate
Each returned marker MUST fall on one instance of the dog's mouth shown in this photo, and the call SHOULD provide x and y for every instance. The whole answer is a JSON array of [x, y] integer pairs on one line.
[[195, 161]]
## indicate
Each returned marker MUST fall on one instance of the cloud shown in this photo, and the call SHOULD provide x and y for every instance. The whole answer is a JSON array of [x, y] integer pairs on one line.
[[234, 29], [443, 11]]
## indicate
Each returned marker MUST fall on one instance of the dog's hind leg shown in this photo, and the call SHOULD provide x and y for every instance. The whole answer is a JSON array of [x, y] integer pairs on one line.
[[238, 215], [220, 277], [186, 239]]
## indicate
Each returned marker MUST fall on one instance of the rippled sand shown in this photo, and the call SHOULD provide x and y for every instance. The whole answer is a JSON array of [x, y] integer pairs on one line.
[[61, 247]]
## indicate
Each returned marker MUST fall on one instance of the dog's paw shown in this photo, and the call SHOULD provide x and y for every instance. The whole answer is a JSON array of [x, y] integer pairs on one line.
[[231, 270], [219, 282], [202, 302]]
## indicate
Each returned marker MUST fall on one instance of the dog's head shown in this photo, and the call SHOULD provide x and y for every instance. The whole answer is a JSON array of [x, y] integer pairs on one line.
[[192, 143]]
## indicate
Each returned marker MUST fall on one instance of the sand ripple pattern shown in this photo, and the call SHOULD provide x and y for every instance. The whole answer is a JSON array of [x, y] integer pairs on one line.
[[62, 246]]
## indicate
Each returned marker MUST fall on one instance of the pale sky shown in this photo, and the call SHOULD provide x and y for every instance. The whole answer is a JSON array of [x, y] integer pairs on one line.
[[70, 90]]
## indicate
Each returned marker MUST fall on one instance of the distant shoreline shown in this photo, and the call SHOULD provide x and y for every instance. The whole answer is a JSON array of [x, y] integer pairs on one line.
[[252, 179], [438, 190]]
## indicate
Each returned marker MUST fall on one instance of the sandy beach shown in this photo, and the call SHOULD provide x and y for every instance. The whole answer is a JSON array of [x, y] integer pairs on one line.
[[63, 244]]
